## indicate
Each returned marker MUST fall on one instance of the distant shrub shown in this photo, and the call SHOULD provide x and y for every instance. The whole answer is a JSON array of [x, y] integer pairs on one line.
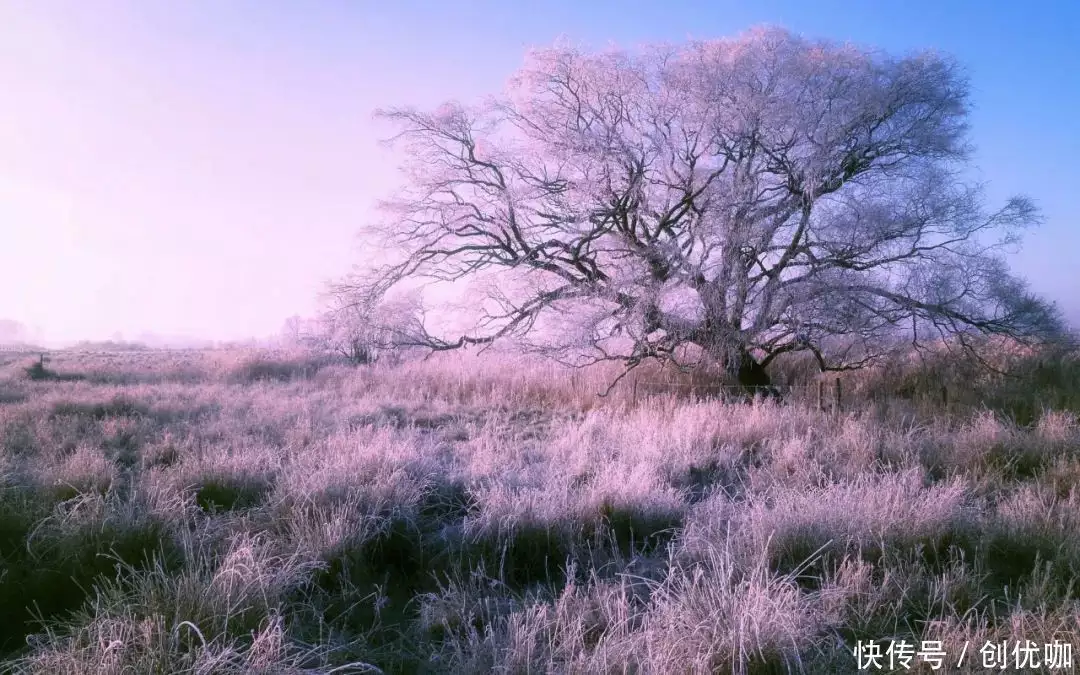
[[276, 368], [38, 371]]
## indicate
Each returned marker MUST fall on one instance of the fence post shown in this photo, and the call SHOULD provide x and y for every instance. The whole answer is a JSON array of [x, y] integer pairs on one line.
[[945, 398], [635, 391], [837, 397], [821, 395]]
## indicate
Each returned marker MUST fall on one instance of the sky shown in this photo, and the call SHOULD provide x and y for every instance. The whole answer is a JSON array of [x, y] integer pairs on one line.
[[201, 168]]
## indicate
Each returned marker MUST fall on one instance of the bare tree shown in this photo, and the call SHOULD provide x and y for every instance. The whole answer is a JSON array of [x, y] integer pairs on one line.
[[361, 332], [751, 196], [294, 331]]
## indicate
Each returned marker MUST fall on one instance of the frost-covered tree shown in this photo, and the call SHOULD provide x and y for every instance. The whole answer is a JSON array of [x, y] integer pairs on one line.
[[752, 196], [360, 332]]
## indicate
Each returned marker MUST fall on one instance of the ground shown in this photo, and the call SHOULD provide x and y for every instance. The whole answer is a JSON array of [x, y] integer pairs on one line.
[[217, 512]]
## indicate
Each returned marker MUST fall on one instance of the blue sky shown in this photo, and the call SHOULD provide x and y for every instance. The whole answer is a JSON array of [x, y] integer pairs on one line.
[[200, 168]]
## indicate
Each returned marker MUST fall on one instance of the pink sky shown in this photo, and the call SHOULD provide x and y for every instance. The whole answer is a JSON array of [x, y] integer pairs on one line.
[[157, 180], [201, 168]]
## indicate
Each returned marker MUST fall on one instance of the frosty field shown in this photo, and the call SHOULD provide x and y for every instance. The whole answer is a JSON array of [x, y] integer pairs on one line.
[[209, 512]]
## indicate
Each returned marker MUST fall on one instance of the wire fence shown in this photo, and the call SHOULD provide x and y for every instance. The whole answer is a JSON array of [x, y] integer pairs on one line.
[[647, 387], [660, 384], [824, 395]]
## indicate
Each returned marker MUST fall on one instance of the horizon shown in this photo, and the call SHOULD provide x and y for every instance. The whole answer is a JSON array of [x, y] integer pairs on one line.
[[198, 172]]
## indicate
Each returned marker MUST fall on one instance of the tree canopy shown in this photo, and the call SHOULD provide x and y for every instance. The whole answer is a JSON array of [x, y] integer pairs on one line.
[[754, 196]]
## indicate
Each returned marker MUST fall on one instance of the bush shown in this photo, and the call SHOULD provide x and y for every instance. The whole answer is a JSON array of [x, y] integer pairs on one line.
[[38, 372], [275, 368]]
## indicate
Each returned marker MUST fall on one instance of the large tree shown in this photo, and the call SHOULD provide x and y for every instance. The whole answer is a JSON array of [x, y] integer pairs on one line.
[[751, 196]]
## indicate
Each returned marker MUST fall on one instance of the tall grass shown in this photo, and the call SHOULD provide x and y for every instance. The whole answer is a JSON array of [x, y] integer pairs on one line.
[[239, 512]]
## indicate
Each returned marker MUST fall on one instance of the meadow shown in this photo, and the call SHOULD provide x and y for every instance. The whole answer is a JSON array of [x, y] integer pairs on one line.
[[239, 512]]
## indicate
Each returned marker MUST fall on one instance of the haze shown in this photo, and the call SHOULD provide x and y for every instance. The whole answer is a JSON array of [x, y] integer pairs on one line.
[[199, 169]]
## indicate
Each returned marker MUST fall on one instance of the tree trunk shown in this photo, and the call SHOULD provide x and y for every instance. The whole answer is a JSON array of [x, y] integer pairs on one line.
[[736, 358], [751, 375]]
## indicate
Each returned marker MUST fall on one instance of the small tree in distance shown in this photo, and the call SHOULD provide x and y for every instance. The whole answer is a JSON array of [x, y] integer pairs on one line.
[[361, 333], [752, 197], [347, 333]]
